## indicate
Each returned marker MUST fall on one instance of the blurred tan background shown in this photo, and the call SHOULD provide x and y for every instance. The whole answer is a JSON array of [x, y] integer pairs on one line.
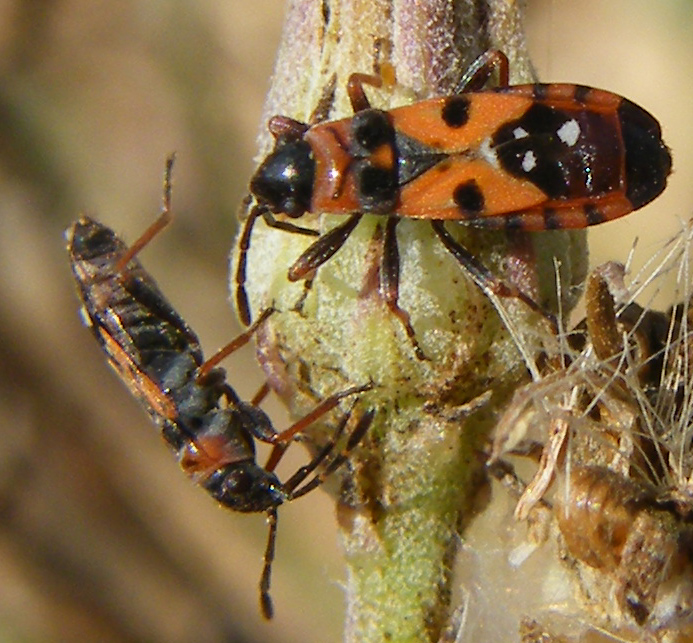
[[101, 536]]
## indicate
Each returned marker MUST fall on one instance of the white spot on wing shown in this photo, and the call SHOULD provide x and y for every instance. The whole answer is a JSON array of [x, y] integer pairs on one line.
[[569, 132], [529, 161], [520, 132], [488, 153]]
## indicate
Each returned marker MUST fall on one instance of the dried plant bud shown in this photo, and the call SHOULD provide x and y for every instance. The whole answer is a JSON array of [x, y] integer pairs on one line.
[[617, 477]]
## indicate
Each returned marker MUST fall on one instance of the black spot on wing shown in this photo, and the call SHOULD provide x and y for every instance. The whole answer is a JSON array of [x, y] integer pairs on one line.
[[455, 112], [377, 187], [469, 198], [370, 129]]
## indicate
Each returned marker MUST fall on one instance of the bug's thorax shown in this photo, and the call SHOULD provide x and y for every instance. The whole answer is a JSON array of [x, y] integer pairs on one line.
[[333, 185], [356, 164]]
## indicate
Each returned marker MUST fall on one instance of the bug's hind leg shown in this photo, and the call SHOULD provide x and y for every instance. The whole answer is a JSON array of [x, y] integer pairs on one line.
[[293, 484], [307, 287], [389, 282], [484, 278]]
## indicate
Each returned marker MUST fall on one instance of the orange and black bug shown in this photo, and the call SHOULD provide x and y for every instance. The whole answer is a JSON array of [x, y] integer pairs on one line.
[[203, 420], [523, 157]]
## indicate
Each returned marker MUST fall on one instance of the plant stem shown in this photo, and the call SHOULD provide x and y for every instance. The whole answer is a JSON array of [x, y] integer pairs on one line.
[[415, 478]]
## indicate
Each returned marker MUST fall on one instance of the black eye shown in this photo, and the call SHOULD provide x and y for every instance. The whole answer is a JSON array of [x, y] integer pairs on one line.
[[292, 208]]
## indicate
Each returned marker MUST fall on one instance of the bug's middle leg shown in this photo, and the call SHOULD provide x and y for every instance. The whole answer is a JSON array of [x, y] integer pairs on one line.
[[282, 440], [389, 282], [323, 249]]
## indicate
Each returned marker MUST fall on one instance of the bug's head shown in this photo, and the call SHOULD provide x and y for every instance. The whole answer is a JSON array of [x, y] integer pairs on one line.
[[245, 486], [284, 181]]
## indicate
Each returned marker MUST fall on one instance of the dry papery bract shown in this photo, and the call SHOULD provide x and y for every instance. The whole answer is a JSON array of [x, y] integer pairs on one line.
[[603, 437]]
